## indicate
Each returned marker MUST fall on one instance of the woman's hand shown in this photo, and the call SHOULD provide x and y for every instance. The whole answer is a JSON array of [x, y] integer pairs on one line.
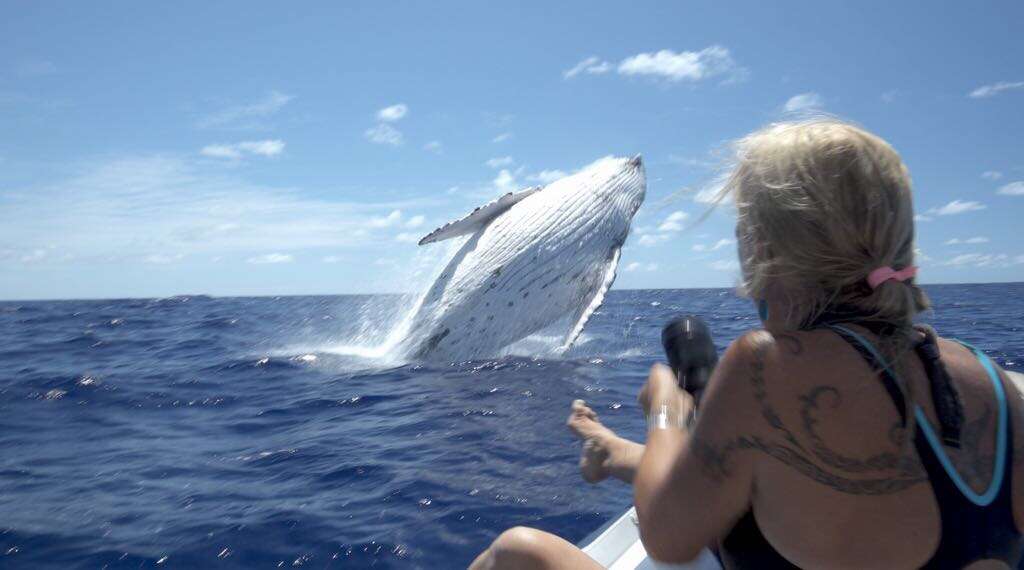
[[662, 389]]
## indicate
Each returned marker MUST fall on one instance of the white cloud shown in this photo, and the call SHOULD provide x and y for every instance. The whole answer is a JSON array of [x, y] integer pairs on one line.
[[271, 258], [243, 116], [126, 209], [968, 241], [995, 88], [682, 66], [922, 218], [547, 176], [392, 219], [415, 222], [649, 240], [724, 242], [221, 151], [263, 148], [803, 102], [673, 222], [501, 138], [637, 266], [991, 175], [393, 113], [434, 146], [890, 95], [406, 237], [37, 254], [984, 260], [162, 258], [920, 256], [505, 181], [1012, 189], [332, 259], [965, 259], [592, 65], [693, 161], [500, 161], [957, 207], [725, 265], [384, 133], [237, 150]]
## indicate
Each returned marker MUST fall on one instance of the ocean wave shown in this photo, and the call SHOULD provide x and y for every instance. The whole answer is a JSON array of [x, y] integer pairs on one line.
[[253, 432]]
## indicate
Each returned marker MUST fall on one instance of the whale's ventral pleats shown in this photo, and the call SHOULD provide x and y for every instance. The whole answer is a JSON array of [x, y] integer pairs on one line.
[[563, 239]]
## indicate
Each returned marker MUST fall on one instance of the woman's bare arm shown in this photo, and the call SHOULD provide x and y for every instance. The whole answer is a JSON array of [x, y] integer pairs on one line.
[[688, 491]]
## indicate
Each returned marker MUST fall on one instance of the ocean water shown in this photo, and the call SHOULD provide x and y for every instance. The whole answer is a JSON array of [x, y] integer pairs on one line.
[[197, 432]]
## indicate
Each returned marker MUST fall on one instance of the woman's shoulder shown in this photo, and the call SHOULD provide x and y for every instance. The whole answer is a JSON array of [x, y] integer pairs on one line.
[[788, 365], [781, 346], [969, 365], [761, 358]]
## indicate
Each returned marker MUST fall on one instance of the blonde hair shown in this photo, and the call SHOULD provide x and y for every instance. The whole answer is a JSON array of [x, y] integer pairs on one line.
[[822, 203]]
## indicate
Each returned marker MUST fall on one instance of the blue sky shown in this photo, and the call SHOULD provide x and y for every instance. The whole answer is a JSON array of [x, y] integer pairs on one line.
[[264, 148]]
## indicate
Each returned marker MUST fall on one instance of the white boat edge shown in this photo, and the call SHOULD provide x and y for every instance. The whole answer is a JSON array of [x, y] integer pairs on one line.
[[617, 546]]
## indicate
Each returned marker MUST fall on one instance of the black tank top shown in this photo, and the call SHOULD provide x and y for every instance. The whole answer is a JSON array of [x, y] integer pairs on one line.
[[970, 531]]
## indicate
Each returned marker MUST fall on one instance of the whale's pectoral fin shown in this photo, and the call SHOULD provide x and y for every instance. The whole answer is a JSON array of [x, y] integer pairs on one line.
[[478, 218], [605, 275]]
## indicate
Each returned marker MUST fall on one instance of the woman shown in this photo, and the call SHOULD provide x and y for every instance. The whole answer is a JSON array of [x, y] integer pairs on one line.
[[840, 436]]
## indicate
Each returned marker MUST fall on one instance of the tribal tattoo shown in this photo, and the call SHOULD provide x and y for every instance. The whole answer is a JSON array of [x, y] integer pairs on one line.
[[817, 460]]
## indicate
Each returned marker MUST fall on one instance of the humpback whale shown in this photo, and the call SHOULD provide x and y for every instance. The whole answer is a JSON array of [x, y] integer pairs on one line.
[[534, 258]]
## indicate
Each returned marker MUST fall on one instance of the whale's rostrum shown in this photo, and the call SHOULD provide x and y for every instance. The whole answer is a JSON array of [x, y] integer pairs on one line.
[[534, 258]]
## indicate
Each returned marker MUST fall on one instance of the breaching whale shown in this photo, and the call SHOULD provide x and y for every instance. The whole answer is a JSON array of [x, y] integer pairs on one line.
[[534, 258]]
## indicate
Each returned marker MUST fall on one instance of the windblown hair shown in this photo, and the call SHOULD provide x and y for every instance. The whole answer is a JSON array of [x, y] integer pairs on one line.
[[822, 203]]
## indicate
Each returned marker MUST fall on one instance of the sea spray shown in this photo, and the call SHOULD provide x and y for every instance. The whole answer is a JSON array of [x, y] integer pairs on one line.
[[383, 322]]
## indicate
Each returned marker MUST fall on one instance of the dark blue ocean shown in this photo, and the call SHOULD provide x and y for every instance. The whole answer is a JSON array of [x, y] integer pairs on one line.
[[197, 432]]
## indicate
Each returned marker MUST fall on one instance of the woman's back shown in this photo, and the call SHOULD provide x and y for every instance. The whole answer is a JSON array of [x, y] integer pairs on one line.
[[835, 487], [810, 447]]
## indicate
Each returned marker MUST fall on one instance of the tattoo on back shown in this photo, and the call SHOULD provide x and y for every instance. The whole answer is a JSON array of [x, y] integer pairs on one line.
[[890, 472], [882, 473]]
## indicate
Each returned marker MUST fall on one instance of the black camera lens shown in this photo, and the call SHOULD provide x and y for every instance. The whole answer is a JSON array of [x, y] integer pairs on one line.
[[690, 350]]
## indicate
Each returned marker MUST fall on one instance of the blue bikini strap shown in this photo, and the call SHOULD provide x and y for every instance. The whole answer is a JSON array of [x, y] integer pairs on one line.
[[934, 441]]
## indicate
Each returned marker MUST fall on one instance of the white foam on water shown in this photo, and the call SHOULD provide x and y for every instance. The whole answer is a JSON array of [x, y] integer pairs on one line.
[[385, 321], [383, 324]]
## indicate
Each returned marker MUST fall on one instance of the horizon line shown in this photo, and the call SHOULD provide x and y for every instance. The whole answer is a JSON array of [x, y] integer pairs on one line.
[[191, 295]]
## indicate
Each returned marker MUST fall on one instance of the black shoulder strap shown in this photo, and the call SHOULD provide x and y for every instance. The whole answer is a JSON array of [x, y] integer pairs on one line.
[[948, 407], [888, 380]]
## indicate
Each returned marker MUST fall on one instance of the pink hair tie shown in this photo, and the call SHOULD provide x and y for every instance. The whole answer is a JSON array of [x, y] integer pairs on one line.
[[883, 274]]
